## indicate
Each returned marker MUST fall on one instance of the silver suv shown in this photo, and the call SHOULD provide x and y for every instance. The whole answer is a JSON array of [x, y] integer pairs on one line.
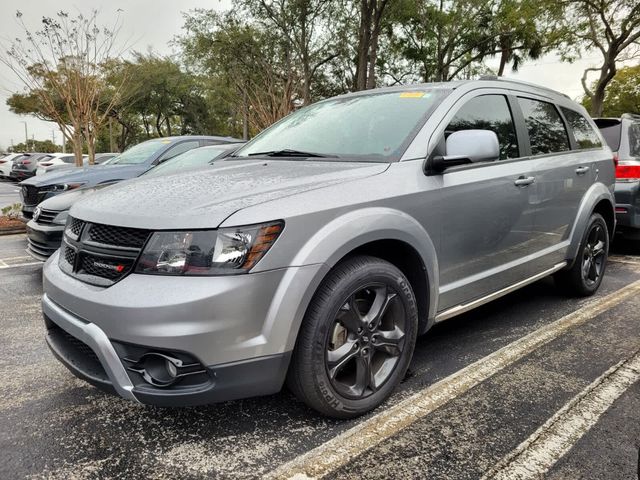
[[318, 252]]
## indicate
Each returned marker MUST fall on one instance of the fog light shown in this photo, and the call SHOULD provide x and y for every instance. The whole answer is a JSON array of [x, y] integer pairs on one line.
[[162, 370]]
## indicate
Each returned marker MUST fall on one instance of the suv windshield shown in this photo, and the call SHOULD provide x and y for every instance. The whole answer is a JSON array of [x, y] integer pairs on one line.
[[191, 159], [365, 127], [140, 153]]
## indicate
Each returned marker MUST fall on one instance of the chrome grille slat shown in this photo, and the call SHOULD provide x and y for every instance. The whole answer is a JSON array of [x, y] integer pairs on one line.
[[46, 216]]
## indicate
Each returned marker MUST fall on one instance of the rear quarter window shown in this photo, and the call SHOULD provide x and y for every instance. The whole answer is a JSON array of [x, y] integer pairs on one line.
[[547, 133], [584, 135], [634, 139]]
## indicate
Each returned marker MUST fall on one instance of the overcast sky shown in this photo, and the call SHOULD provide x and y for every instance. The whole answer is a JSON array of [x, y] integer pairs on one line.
[[153, 23]]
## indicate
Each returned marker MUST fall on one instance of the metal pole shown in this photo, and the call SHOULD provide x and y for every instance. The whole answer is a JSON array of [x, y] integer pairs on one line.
[[26, 136]]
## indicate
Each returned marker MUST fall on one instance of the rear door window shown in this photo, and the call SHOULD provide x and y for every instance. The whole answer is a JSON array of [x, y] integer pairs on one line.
[[488, 112], [584, 135], [547, 133], [178, 149]]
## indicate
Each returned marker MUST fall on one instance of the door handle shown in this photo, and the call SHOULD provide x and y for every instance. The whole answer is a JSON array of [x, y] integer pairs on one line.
[[524, 181], [582, 170]]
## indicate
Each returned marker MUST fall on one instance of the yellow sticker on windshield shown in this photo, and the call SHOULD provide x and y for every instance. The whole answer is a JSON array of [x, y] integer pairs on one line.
[[412, 94], [165, 141]]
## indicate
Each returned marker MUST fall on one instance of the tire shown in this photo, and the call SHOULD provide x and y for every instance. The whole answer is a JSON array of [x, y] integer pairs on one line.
[[341, 334], [585, 276]]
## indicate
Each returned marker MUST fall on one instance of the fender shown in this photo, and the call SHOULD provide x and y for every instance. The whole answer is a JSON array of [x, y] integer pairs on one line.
[[356, 228], [594, 194]]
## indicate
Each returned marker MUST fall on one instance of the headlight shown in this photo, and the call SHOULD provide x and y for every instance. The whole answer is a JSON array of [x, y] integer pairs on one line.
[[225, 251], [62, 187], [61, 218]]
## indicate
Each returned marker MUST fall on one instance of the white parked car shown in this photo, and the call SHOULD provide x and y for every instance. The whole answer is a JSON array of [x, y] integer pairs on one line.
[[6, 164], [55, 161]]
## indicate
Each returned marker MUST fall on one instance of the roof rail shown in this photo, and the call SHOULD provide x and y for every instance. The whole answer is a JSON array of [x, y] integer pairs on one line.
[[528, 84]]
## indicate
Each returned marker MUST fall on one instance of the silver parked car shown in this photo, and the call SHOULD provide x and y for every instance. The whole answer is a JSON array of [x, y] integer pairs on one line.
[[321, 249]]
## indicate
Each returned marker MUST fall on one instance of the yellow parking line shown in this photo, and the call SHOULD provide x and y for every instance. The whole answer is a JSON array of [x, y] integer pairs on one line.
[[335, 453]]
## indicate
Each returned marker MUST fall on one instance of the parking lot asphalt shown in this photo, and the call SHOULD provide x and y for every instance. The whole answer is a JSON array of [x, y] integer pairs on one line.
[[534, 379], [9, 193]]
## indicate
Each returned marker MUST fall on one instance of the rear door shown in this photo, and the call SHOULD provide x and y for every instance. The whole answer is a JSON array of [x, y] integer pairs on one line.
[[565, 164], [486, 216]]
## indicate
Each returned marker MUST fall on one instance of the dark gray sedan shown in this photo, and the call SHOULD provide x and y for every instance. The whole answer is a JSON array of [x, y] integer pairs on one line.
[[132, 163], [44, 230]]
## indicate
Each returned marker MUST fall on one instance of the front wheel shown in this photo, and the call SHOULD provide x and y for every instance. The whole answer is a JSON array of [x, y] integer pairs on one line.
[[356, 340], [585, 276]]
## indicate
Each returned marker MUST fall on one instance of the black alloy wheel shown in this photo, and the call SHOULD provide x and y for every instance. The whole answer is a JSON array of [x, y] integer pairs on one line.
[[366, 341], [356, 340]]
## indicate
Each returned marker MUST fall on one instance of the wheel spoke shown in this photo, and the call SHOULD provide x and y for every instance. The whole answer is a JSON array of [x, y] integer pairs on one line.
[[350, 316], [593, 236], [364, 375], [379, 307], [593, 271], [586, 267], [598, 249], [390, 342], [341, 356]]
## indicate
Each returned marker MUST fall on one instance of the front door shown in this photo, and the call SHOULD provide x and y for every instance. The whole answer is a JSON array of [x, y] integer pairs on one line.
[[486, 210]]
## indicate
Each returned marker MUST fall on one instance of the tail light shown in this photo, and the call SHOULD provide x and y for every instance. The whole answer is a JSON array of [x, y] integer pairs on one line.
[[26, 162], [628, 172], [46, 164], [3, 161]]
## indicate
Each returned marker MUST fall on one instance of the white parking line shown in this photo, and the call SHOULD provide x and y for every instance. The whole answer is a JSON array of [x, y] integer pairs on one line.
[[338, 451], [536, 455], [4, 266]]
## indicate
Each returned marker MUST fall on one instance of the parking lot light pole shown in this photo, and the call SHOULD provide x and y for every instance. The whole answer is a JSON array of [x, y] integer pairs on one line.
[[26, 135]]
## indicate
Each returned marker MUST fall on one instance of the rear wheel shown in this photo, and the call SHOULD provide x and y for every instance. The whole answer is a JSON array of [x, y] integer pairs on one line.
[[356, 340], [585, 276]]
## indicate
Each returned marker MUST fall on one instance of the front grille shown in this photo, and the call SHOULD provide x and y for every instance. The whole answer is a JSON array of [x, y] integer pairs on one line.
[[69, 255], [46, 216], [100, 254], [30, 194], [104, 268], [118, 236], [74, 226]]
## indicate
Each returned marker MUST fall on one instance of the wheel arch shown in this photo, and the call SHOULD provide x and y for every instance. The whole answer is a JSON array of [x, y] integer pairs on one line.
[[598, 199], [374, 231]]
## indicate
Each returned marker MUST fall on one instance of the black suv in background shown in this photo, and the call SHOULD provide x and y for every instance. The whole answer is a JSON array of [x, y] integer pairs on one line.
[[623, 136]]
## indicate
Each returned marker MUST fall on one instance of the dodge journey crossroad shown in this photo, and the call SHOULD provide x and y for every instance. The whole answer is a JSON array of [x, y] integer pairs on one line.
[[317, 253]]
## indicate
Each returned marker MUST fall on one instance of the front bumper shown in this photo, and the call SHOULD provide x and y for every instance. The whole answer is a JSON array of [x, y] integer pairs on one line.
[[237, 327], [627, 205], [43, 240]]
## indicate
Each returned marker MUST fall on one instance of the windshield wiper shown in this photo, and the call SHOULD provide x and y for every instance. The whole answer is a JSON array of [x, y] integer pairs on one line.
[[287, 152]]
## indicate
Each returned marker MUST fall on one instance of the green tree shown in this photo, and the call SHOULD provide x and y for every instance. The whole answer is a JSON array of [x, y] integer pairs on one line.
[[40, 146], [622, 94], [61, 67], [612, 29]]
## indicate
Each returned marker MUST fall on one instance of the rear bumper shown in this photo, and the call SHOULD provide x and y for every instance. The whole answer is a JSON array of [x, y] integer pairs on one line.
[[43, 240], [627, 205]]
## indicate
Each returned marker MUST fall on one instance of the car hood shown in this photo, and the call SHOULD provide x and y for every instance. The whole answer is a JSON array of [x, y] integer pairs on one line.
[[90, 175], [65, 200], [204, 198]]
